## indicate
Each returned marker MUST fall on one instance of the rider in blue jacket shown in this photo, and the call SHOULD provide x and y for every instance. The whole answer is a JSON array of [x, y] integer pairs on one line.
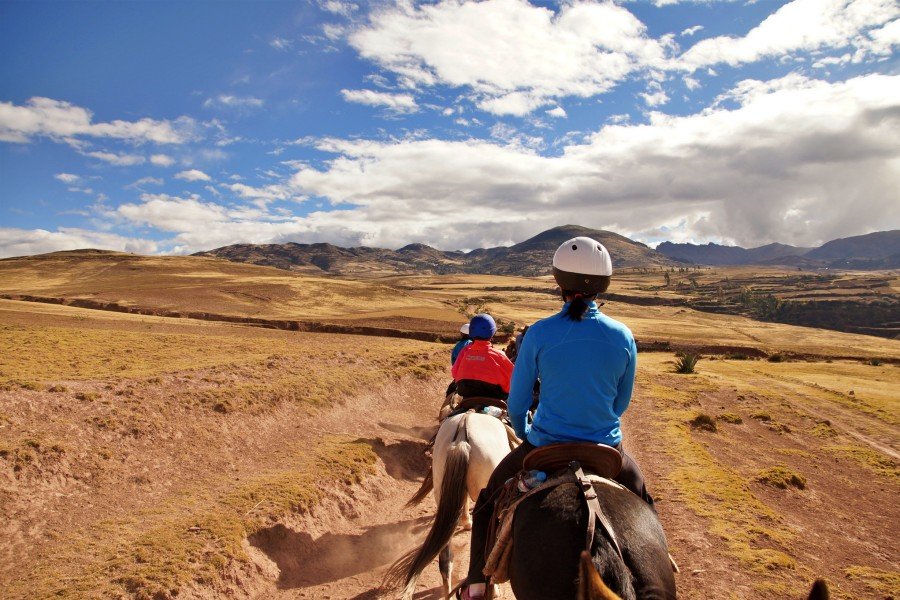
[[586, 364]]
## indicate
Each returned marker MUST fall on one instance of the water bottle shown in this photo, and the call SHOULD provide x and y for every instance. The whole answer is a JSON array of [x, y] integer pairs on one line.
[[494, 411], [531, 480]]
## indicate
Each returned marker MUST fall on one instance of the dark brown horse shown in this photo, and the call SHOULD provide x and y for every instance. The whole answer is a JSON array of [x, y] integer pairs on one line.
[[549, 561], [549, 536]]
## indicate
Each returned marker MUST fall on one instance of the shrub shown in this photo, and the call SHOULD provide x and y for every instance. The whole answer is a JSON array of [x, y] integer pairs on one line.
[[686, 363], [761, 416], [703, 422], [875, 362], [58, 388], [87, 396], [782, 477], [731, 418], [776, 358]]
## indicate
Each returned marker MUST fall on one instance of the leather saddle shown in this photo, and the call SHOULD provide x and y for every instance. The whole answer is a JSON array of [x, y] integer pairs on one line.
[[599, 459], [477, 402]]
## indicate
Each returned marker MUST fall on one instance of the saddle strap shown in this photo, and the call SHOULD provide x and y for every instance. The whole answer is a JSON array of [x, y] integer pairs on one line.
[[595, 511]]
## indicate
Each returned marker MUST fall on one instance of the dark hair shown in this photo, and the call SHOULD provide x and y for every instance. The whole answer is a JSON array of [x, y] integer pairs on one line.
[[578, 305]]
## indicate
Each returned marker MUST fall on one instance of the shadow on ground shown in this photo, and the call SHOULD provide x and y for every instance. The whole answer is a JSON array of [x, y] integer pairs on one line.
[[405, 459], [304, 561]]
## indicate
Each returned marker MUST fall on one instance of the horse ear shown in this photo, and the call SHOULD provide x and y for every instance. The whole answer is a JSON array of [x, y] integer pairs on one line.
[[590, 585], [819, 591]]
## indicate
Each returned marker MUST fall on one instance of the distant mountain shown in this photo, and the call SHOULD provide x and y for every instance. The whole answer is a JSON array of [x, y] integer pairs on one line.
[[878, 245], [716, 254], [532, 257], [879, 250]]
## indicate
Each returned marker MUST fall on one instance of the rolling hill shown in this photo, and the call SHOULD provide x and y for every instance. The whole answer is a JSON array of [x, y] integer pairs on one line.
[[529, 258]]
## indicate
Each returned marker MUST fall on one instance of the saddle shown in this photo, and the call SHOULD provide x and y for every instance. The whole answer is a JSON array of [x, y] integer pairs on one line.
[[597, 459], [568, 462]]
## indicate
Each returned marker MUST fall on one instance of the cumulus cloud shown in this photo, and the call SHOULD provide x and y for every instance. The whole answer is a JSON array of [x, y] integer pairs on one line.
[[397, 103], [23, 242], [558, 112], [193, 175], [794, 159], [692, 30], [515, 57], [120, 160], [67, 178], [162, 160], [45, 117], [801, 25], [144, 181], [797, 159]]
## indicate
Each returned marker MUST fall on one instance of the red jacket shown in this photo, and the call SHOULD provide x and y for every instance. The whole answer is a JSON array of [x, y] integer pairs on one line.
[[481, 362]]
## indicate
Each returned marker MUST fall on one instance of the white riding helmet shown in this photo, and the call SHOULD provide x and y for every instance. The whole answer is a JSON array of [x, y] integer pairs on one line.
[[464, 329], [582, 265]]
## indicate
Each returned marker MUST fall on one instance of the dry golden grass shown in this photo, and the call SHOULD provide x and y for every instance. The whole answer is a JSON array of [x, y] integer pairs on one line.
[[81, 391]]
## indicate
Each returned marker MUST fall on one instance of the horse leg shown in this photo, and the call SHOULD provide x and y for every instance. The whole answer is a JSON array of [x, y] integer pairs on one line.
[[466, 515], [445, 563]]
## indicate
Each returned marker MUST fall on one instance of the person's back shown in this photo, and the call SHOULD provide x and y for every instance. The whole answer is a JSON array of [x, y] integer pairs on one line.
[[586, 368], [480, 369]]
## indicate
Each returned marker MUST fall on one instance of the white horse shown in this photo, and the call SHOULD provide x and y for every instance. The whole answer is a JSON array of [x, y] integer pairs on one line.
[[467, 448]]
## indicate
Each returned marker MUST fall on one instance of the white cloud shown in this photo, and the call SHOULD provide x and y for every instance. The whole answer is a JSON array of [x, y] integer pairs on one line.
[[655, 95], [557, 111], [279, 44], [515, 57], [23, 242], [338, 7], [691, 83], [67, 178], [144, 181], [162, 160], [801, 25], [261, 195], [120, 160], [231, 101], [45, 117], [797, 159], [692, 30], [193, 175], [397, 103]]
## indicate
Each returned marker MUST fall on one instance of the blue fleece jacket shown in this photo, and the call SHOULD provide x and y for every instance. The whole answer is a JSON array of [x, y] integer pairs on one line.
[[458, 348], [587, 373]]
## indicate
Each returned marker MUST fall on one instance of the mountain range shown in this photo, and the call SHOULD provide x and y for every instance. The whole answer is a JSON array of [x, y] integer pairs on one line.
[[879, 250], [533, 257]]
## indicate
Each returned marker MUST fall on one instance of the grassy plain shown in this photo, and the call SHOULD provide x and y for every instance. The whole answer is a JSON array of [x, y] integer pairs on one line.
[[138, 453]]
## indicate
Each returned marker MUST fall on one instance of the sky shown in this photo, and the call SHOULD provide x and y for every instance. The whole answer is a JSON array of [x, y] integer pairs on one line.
[[176, 127]]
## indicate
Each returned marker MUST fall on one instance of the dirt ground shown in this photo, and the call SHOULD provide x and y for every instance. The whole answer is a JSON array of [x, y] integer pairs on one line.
[[139, 446]]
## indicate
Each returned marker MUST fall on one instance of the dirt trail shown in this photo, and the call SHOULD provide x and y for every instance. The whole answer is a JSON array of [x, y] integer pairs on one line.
[[343, 549]]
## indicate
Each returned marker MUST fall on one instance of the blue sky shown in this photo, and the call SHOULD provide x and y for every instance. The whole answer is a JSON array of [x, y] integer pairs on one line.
[[174, 127]]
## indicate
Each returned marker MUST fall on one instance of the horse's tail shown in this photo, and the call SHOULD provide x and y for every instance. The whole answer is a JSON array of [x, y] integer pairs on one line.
[[408, 567], [819, 590], [423, 491], [590, 585]]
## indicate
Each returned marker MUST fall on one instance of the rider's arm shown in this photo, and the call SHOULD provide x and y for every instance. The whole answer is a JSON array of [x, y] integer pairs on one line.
[[523, 377], [626, 382]]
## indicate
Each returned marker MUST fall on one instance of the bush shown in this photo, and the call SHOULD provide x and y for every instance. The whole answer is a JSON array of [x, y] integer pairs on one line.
[[875, 362], [776, 358], [703, 422], [686, 363], [782, 477], [731, 418]]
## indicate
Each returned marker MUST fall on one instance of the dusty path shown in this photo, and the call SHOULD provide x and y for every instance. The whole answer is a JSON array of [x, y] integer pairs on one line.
[[344, 549]]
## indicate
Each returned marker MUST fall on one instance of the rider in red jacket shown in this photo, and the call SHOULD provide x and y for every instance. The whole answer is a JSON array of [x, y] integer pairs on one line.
[[480, 370]]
